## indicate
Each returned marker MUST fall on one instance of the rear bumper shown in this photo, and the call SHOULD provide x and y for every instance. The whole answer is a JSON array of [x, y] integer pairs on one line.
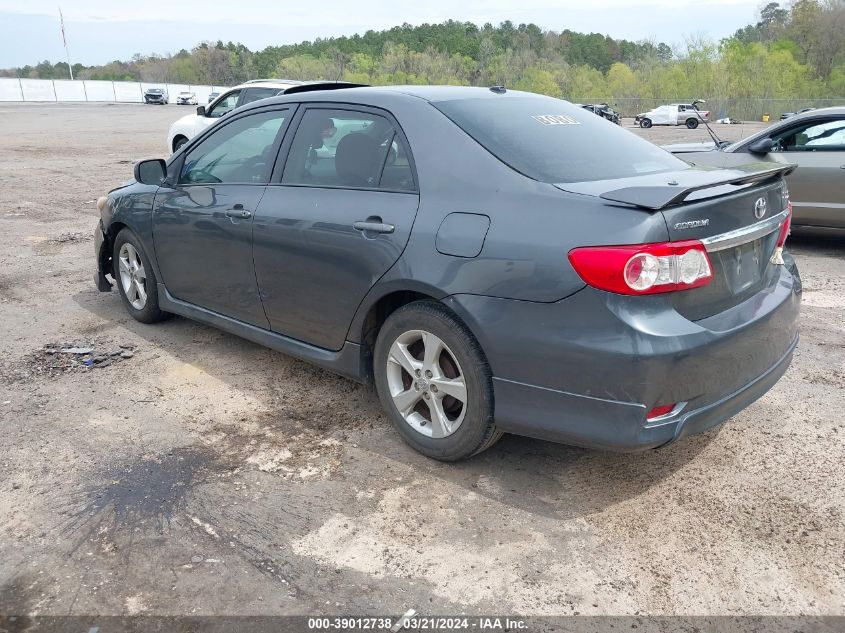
[[620, 426], [587, 369]]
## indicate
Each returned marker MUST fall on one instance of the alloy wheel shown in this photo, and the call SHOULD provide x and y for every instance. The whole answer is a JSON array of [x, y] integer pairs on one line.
[[133, 278], [426, 384]]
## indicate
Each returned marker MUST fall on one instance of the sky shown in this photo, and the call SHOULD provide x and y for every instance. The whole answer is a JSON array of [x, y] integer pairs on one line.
[[99, 31]]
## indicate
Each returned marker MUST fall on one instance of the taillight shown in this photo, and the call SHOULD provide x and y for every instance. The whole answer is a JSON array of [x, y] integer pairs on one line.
[[777, 256], [643, 268], [786, 226]]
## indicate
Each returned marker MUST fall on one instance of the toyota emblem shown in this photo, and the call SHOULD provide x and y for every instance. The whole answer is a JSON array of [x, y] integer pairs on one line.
[[760, 208]]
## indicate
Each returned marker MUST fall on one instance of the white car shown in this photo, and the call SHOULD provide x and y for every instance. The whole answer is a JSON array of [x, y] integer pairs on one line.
[[186, 98], [674, 114], [190, 125]]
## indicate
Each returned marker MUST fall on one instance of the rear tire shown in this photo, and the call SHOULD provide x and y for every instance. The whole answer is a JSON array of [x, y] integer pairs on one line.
[[645, 123], [135, 279], [692, 123], [429, 364]]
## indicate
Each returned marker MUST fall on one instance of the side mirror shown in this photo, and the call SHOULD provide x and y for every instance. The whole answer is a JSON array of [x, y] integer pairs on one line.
[[201, 110], [761, 146], [152, 171]]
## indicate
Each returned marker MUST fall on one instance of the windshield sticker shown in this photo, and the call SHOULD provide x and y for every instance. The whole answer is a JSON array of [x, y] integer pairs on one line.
[[555, 119]]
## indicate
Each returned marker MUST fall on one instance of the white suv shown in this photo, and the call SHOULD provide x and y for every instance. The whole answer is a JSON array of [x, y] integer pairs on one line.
[[190, 125]]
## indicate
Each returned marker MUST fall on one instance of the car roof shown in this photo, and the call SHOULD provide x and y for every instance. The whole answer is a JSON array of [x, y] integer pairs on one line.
[[811, 114], [270, 83], [432, 94]]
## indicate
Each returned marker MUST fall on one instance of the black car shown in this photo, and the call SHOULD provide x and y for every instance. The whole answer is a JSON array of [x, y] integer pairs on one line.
[[155, 95], [604, 111], [789, 115], [493, 261]]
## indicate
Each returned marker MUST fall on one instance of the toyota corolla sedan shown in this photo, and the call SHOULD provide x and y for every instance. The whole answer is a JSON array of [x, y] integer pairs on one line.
[[493, 261]]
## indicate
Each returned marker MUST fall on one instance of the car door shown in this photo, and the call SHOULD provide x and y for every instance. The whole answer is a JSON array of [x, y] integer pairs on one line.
[[665, 115], [202, 224], [333, 220], [817, 187], [223, 105]]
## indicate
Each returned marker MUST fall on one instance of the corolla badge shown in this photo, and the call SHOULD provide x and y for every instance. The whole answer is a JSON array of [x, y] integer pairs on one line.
[[692, 224], [760, 208]]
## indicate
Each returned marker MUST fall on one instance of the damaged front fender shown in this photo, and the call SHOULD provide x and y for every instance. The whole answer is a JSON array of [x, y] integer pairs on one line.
[[102, 251]]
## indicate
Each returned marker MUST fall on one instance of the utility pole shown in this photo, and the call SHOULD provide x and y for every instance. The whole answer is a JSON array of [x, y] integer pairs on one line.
[[64, 39]]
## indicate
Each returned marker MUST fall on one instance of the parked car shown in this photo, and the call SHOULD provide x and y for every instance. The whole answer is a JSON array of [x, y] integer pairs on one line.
[[674, 114], [155, 95], [186, 98], [388, 259], [190, 125], [786, 115], [813, 140], [212, 96], [604, 111]]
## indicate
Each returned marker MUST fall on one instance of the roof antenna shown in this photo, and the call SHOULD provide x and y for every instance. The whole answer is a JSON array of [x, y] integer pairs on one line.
[[499, 90]]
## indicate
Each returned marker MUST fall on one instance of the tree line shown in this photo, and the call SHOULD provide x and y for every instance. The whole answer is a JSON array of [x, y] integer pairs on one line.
[[795, 50]]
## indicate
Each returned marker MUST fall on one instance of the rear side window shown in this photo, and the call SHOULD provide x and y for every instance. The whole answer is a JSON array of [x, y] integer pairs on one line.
[[345, 148], [554, 141]]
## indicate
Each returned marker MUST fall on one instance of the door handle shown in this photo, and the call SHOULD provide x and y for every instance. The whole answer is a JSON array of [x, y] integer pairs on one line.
[[238, 211], [373, 227]]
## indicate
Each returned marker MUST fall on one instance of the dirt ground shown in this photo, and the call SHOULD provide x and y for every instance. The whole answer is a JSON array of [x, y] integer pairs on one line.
[[191, 472]]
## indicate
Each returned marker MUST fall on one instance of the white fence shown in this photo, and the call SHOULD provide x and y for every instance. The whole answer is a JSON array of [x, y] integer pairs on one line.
[[64, 90]]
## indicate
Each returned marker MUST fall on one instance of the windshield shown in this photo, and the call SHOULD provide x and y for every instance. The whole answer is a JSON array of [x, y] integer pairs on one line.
[[554, 141]]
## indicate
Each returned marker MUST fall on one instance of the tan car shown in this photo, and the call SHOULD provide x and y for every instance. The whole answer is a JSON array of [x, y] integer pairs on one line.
[[815, 141]]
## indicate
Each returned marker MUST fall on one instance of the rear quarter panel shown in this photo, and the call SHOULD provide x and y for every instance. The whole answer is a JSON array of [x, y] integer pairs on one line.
[[533, 225]]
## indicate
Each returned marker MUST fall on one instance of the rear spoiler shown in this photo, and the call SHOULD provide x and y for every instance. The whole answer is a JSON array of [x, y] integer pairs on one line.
[[660, 197]]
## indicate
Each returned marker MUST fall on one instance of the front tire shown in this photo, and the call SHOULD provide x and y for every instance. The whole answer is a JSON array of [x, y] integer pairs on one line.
[[178, 142], [692, 123], [434, 382], [645, 123], [135, 278]]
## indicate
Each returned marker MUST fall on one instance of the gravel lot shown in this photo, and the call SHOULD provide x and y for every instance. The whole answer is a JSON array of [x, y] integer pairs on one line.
[[200, 474]]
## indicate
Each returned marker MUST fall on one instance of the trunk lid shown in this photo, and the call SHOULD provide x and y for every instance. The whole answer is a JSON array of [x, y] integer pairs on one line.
[[739, 244], [736, 213]]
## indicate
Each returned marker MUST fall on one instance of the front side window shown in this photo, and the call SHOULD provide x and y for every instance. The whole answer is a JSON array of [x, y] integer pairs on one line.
[[241, 152], [254, 94], [225, 105], [554, 141], [343, 148], [817, 136]]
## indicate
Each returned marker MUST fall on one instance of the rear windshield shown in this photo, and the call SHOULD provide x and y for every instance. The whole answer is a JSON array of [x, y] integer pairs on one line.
[[554, 141]]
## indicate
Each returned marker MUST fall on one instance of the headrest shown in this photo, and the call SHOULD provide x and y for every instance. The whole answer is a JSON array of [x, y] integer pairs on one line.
[[357, 160]]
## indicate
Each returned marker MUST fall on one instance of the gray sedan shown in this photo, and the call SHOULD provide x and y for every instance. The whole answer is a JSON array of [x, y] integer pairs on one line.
[[815, 142], [492, 261]]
